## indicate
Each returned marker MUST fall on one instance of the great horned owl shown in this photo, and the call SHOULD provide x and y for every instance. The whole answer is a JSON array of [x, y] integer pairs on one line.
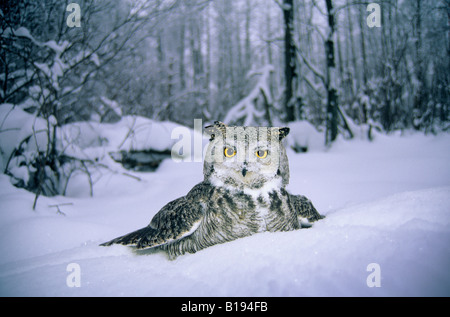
[[243, 192]]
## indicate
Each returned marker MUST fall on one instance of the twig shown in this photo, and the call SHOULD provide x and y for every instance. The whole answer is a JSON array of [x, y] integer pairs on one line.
[[58, 211]]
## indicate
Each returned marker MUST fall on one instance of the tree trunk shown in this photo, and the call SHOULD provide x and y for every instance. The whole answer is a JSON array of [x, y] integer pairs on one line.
[[419, 98], [355, 75], [362, 21], [332, 97], [181, 50], [247, 35], [208, 113], [269, 50], [289, 59]]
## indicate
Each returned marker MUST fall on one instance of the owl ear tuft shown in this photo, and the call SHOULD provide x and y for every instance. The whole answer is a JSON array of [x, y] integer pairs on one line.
[[283, 132], [219, 128]]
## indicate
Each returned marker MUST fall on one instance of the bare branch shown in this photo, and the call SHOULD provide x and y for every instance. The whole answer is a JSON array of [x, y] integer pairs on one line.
[[311, 67]]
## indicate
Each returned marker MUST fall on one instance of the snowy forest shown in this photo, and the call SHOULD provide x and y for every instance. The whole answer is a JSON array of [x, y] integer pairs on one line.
[[91, 92], [163, 59], [339, 65]]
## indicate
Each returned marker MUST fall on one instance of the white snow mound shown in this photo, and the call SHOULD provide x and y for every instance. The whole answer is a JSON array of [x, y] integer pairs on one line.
[[399, 220]]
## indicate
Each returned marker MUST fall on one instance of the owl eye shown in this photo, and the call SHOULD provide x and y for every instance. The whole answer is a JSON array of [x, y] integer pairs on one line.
[[229, 152], [261, 153]]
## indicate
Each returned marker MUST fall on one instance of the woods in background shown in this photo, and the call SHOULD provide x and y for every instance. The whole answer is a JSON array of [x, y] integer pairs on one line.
[[341, 65], [178, 60]]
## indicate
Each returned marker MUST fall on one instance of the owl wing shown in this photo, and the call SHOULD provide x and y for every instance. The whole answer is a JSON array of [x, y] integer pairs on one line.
[[305, 209], [176, 220]]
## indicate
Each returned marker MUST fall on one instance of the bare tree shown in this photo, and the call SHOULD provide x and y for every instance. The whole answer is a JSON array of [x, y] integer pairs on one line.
[[289, 59], [332, 97]]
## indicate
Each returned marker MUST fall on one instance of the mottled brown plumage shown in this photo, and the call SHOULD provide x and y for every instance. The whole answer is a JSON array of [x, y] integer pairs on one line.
[[246, 171]]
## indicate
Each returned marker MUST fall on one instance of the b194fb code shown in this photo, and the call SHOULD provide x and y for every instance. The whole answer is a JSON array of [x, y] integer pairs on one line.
[[245, 306]]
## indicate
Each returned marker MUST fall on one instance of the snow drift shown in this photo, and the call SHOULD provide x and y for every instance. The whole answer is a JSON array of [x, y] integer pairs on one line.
[[386, 202]]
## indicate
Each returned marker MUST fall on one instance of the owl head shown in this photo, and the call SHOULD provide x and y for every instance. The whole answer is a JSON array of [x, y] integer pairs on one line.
[[246, 157]]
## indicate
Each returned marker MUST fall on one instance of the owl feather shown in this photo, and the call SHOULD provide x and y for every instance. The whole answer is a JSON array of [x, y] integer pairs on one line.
[[243, 192]]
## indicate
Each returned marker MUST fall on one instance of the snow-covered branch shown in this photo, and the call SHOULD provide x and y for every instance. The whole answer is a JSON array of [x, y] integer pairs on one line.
[[310, 66], [247, 108]]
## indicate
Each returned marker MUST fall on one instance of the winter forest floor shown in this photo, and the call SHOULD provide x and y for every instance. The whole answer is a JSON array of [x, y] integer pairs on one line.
[[386, 202]]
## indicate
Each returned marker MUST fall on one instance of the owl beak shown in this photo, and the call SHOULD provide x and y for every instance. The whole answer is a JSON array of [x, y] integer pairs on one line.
[[244, 171]]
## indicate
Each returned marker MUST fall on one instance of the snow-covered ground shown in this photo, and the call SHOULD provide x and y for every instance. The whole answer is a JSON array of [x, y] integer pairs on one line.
[[386, 202]]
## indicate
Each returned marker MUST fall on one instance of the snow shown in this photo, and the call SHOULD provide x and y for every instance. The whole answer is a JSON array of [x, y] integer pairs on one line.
[[114, 105], [304, 134], [58, 48], [15, 126], [95, 59], [23, 32], [85, 139], [246, 107], [387, 202]]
